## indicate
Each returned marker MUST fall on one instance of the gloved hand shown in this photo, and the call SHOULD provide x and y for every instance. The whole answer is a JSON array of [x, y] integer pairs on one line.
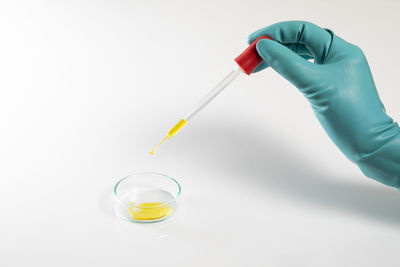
[[341, 90]]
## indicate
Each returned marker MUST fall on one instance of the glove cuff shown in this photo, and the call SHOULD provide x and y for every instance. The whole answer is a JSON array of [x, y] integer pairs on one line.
[[384, 164]]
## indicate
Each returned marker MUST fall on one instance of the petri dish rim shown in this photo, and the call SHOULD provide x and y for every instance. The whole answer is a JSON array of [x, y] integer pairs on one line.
[[154, 173]]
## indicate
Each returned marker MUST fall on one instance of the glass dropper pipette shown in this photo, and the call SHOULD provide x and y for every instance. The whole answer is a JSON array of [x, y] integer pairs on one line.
[[247, 61]]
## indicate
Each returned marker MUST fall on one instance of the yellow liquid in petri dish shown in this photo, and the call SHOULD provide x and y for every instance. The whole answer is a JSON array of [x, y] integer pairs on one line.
[[149, 211]]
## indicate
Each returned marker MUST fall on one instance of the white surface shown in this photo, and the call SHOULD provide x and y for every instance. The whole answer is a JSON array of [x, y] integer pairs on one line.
[[89, 87]]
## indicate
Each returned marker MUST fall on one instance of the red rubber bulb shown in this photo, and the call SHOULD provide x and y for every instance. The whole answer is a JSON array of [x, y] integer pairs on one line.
[[249, 59]]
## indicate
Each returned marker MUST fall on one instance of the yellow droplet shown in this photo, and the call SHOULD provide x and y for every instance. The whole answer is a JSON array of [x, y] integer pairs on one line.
[[154, 149], [149, 211]]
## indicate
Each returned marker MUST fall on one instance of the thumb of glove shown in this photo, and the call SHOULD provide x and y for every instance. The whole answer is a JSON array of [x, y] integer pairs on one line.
[[287, 63]]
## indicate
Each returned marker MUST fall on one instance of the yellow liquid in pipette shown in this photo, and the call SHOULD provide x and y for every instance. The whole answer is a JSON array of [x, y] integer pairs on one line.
[[149, 211], [171, 133]]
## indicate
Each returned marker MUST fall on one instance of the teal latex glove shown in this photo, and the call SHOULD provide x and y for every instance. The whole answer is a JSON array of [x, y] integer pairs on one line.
[[341, 90]]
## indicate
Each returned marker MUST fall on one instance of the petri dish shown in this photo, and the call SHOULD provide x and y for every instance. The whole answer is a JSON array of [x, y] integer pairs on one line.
[[146, 197]]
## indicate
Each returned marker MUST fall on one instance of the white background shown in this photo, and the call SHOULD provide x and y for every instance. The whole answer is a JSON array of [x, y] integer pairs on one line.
[[89, 87]]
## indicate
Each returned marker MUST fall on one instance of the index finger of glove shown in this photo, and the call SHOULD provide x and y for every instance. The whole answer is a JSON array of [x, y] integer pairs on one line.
[[316, 39]]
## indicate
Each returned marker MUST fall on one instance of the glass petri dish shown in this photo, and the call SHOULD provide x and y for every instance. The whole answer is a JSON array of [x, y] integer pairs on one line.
[[146, 197]]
